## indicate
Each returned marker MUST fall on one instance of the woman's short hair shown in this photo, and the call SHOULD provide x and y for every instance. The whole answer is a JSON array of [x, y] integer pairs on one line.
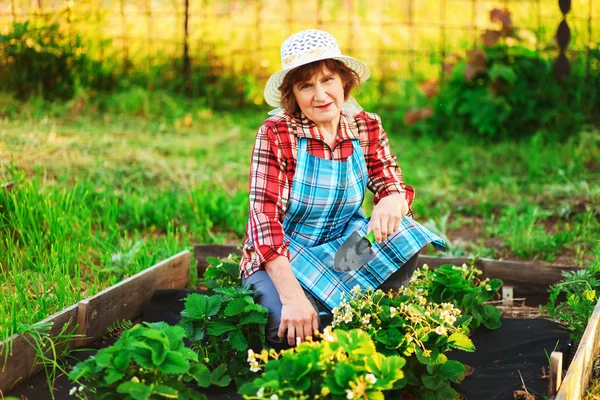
[[350, 80]]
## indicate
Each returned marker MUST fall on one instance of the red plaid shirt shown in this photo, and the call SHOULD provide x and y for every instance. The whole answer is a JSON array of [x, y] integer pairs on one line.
[[274, 163]]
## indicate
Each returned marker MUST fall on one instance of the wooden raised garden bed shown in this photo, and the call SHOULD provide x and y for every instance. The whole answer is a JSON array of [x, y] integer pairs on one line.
[[91, 317], [125, 300]]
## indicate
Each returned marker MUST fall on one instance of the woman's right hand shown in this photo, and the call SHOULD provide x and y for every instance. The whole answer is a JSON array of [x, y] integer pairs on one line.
[[299, 319]]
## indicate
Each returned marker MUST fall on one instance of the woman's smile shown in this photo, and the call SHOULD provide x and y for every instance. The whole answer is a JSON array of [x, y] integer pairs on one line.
[[324, 107]]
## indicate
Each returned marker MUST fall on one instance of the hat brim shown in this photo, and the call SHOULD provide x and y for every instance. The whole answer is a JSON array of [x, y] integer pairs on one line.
[[273, 95]]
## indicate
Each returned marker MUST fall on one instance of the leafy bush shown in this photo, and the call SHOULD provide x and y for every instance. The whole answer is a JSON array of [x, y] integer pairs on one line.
[[221, 273], [224, 326], [506, 87], [147, 360], [581, 290], [343, 365], [460, 287], [410, 326], [42, 59]]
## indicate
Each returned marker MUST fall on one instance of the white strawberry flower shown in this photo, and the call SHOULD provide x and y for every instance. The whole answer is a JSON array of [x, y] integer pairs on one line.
[[441, 330], [370, 378]]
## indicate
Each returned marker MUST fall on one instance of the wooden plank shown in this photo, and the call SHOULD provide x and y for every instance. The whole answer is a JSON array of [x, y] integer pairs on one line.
[[122, 301], [578, 376], [203, 251], [555, 379], [125, 300], [526, 278], [20, 363]]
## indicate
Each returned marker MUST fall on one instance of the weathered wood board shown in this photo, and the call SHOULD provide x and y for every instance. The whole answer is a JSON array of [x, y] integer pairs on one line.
[[123, 301], [21, 355], [576, 381]]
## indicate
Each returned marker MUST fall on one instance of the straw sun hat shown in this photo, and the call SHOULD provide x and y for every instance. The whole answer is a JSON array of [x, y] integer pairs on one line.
[[303, 48]]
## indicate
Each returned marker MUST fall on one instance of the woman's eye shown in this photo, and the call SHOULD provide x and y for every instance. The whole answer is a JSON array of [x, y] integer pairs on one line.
[[306, 86]]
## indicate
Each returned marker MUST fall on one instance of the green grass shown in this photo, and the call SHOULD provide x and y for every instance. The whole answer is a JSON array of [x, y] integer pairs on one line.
[[104, 191]]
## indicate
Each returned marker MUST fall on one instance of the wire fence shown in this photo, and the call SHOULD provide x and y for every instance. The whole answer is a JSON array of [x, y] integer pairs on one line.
[[408, 38]]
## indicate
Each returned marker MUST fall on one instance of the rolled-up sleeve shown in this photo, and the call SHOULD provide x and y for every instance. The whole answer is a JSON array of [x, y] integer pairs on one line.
[[267, 175], [385, 175]]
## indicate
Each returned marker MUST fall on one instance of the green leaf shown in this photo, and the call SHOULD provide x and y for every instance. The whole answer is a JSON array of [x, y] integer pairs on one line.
[[217, 328], [256, 307], [174, 335], [174, 363], [201, 374], [137, 390], [195, 306], [504, 72], [254, 318], [433, 382], [213, 261], [460, 341], [213, 305], [238, 341], [218, 378], [452, 370], [491, 317], [344, 373], [166, 391], [235, 307], [113, 376]]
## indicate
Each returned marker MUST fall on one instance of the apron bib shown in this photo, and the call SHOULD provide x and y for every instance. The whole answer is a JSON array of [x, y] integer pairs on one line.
[[324, 209]]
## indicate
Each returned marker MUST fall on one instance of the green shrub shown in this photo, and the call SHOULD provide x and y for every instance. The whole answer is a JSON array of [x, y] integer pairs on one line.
[[43, 59], [581, 291], [506, 88]]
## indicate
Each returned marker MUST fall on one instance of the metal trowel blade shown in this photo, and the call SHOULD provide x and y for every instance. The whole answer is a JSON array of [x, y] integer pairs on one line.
[[353, 253]]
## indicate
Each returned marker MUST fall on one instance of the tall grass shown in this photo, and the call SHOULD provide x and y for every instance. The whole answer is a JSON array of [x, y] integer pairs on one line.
[[57, 249]]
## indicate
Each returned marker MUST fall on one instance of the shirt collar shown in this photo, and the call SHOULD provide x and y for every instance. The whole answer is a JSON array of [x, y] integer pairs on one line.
[[302, 126]]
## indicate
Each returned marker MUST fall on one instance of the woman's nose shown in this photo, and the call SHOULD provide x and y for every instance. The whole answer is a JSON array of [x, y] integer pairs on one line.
[[320, 93]]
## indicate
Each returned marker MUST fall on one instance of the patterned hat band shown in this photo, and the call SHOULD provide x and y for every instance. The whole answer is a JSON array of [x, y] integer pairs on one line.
[[304, 48]]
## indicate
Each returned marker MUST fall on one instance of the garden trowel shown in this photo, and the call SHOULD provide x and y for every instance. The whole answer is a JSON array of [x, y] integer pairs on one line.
[[354, 252]]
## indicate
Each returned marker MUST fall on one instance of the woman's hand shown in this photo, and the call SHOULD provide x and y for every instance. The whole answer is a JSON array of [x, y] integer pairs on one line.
[[387, 216], [299, 318]]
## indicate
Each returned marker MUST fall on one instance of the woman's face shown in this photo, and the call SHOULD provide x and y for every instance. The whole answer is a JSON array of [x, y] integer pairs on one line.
[[321, 97]]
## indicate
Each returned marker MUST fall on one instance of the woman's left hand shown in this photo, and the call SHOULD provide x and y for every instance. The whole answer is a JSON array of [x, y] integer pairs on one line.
[[387, 216]]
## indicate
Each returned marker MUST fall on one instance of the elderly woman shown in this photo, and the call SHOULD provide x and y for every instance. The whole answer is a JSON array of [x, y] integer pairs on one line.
[[312, 162]]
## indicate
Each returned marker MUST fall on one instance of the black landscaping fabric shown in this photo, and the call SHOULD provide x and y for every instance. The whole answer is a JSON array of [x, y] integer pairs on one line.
[[502, 357]]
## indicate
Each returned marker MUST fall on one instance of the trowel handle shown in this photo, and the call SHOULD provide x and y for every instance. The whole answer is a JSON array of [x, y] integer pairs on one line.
[[370, 237]]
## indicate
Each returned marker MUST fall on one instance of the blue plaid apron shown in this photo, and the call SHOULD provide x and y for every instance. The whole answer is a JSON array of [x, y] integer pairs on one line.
[[324, 208]]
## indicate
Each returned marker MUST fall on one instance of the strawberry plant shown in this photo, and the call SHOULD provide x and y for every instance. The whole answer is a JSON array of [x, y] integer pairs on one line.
[[224, 326], [460, 287], [344, 365], [581, 290], [147, 361], [221, 273], [410, 326]]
